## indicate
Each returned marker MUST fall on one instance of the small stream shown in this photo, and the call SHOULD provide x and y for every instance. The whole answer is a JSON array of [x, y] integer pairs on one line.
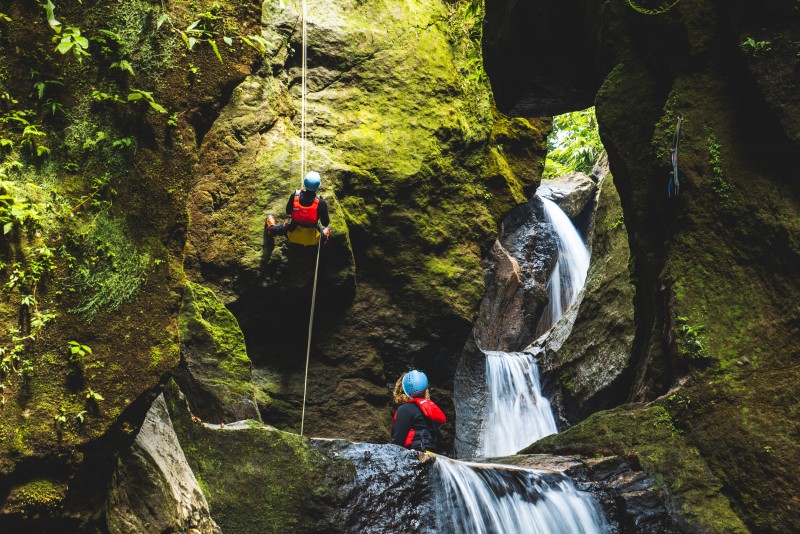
[[569, 273], [478, 498], [517, 413]]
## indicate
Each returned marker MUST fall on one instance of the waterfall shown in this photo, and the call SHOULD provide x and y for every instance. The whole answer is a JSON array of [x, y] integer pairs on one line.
[[517, 413], [493, 499], [569, 273]]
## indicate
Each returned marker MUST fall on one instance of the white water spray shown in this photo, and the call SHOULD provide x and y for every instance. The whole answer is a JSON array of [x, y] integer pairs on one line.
[[494, 499], [569, 273], [517, 413]]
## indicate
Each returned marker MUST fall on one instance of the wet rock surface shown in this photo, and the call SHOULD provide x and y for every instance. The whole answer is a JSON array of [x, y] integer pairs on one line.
[[572, 192], [391, 490]]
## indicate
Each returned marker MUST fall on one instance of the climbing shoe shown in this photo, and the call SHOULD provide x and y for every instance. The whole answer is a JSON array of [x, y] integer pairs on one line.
[[269, 222]]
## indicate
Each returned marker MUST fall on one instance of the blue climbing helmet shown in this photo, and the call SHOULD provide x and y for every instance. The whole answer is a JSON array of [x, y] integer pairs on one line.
[[312, 181], [415, 383]]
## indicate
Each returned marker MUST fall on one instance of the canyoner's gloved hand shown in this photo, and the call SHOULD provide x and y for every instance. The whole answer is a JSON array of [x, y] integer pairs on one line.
[[325, 235]]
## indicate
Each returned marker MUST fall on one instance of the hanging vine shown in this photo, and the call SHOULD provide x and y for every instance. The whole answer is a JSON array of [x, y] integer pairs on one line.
[[652, 7]]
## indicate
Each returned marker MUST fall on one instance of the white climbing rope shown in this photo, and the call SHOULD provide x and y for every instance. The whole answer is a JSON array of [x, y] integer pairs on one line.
[[303, 100], [319, 244], [308, 347]]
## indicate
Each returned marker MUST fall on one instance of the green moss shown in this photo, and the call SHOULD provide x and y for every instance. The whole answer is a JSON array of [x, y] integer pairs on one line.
[[258, 479], [40, 495], [213, 345]]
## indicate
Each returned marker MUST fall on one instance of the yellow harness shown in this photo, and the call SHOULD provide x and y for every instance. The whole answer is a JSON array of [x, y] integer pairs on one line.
[[304, 236]]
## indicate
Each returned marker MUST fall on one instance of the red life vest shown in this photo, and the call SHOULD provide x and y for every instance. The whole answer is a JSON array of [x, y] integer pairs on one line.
[[304, 215], [431, 411]]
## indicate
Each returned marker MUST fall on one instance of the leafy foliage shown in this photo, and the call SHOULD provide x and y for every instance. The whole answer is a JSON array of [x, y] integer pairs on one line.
[[114, 271], [755, 48], [718, 183], [574, 145]]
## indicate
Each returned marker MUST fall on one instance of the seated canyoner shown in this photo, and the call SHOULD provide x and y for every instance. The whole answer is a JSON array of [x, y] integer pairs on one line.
[[417, 418], [309, 215]]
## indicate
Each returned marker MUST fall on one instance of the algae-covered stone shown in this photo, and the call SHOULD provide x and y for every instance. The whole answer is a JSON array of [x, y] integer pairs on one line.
[[215, 372], [257, 478]]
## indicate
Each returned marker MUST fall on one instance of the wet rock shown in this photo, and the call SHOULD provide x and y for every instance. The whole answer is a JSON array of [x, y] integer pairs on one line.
[[153, 489], [215, 372], [470, 398], [572, 192], [391, 489]]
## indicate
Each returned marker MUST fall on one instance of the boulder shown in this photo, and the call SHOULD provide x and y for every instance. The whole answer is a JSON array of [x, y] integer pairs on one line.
[[391, 487], [153, 489], [257, 478], [572, 192]]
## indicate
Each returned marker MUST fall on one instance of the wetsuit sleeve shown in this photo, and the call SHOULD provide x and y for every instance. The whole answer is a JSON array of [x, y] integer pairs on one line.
[[402, 424], [290, 205], [322, 212]]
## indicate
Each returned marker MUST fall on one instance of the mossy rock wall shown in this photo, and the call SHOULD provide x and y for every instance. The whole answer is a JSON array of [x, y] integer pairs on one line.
[[715, 268], [102, 182], [416, 167]]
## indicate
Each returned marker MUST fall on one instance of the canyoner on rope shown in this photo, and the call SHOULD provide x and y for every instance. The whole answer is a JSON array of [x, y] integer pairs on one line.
[[308, 212]]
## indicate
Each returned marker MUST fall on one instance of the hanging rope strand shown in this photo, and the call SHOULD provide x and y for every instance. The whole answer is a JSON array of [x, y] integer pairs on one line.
[[308, 347], [303, 99], [319, 245]]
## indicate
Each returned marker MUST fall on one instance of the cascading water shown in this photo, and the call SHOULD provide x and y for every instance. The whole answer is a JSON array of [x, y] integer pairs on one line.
[[569, 273], [517, 413], [495, 499], [492, 499]]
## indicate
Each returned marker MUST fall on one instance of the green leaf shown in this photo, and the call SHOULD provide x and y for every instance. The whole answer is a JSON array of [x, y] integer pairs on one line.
[[42, 150], [134, 96], [191, 42], [51, 18], [163, 18], [7, 227], [228, 40], [156, 106], [216, 50], [64, 46]]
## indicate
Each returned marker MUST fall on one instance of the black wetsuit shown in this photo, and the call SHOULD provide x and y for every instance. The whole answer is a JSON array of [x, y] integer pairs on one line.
[[416, 430]]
